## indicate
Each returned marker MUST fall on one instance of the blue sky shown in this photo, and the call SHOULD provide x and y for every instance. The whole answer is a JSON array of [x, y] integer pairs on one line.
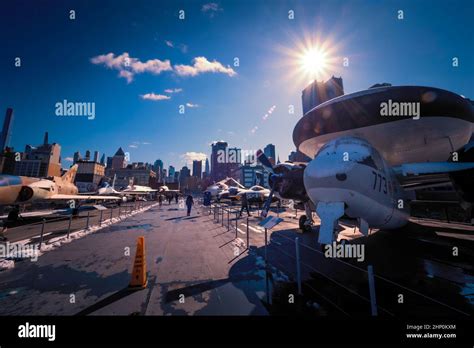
[[56, 55]]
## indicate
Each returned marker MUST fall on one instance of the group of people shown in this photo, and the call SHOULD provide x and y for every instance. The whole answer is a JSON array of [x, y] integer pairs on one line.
[[169, 198], [189, 201]]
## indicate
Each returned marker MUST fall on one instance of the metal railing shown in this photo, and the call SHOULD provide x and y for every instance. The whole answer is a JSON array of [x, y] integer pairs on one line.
[[65, 225], [219, 210]]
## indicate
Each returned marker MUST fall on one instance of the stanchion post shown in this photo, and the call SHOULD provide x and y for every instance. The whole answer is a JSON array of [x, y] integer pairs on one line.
[[248, 236], [69, 227], [228, 219], [236, 224], [100, 218], [266, 245], [87, 221], [298, 265], [373, 301], [42, 232]]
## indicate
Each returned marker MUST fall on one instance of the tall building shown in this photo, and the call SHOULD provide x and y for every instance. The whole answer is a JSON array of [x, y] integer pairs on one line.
[[225, 161], [41, 161], [89, 173], [217, 172], [207, 169], [319, 92], [6, 130], [171, 172], [136, 173], [184, 173], [297, 156], [7, 161], [253, 174], [77, 156], [197, 169], [269, 151], [158, 168], [119, 161]]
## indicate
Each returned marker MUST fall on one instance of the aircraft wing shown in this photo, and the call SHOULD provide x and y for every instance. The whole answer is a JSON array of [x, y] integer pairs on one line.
[[414, 176], [136, 192], [82, 197]]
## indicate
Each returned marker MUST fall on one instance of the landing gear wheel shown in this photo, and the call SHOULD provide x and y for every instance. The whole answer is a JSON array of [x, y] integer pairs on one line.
[[303, 225]]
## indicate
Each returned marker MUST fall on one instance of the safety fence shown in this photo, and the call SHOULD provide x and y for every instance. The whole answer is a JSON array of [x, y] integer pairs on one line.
[[38, 232], [297, 267]]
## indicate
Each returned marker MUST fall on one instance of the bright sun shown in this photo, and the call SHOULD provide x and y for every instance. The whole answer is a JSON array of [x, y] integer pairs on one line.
[[313, 62]]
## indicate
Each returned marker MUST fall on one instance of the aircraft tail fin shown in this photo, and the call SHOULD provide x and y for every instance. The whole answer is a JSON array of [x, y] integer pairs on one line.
[[70, 175]]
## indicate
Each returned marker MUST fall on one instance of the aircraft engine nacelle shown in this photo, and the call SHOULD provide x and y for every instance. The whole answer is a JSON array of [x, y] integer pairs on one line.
[[463, 180], [28, 193], [289, 182]]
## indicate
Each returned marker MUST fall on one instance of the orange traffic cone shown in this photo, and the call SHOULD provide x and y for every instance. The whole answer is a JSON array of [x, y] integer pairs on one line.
[[139, 278]]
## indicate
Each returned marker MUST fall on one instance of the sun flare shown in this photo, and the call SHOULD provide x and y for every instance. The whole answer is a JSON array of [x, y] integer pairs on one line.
[[313, 62]]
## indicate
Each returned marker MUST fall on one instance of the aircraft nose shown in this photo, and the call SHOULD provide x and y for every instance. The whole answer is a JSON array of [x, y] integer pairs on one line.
[[328, 166]]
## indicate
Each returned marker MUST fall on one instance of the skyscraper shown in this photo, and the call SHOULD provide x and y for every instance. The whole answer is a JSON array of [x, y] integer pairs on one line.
[[319, 92], [183, 174], [6, 130], [158, 168], [171, 171], [269, 151], [217, 168], [207, 169], [197, 169], [119, 161], [77, 156]]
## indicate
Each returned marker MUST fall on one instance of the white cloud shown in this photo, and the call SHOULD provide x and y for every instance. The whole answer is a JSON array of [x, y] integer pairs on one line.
[[202, 65], [146, 143], [173, 90], [191, 105], [189, 157], [69, 159], [169, 43], [133, 146], [129, 66], [211, 9], [154, 97], [126, 75]]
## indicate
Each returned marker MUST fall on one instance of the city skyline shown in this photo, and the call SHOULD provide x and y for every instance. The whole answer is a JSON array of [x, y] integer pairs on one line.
[[140, 71]]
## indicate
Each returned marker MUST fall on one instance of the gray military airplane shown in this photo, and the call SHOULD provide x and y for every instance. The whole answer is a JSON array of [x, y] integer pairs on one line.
[[366, 166]]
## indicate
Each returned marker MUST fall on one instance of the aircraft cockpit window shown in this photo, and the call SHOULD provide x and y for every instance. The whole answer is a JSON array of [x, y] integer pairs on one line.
[[368, 161], [373, 160]]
